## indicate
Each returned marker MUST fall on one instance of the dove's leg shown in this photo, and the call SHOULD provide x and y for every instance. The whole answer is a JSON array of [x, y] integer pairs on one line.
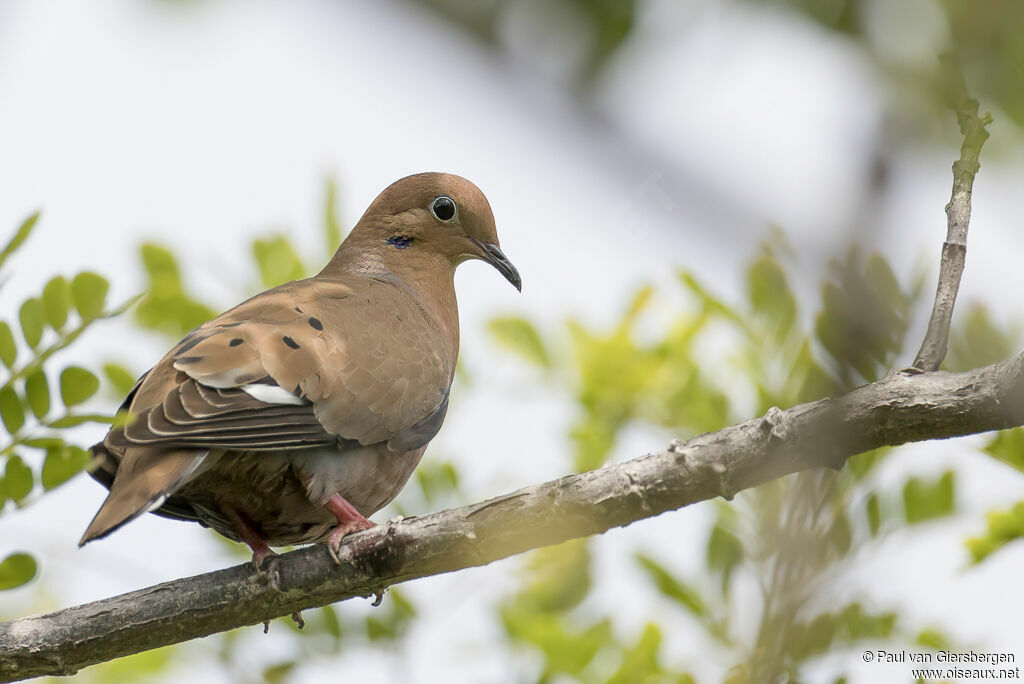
[[349, 520], [260, 550]]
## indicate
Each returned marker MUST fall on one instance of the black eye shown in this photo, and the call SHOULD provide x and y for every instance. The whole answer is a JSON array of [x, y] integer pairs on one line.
[[443, 208]]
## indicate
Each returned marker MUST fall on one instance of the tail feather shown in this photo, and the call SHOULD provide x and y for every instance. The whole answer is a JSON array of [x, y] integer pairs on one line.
[[144, 480]]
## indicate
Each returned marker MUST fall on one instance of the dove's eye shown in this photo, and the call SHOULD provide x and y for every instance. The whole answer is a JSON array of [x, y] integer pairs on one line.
[[443, 208]]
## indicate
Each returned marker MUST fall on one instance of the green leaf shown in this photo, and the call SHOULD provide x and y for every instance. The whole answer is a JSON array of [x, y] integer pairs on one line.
[[863, 463], [17, 569], [37, 393], [140, 667], [392, 623], [874, 513], [57, 302], [77, 385], [1007, 446], [863, 317], [671, 586], [277, 260], [278, 673], [926, 501], [639, 662], [17, 478], [976, 340], [89, 292], [61, 464], [519, 336], [855, 624], [557, 578], [12, 413], [120, 377], [437, 479], [1002, 528], [8, 348], [73, 421], [933, 639], [43, 442], [31, 318], [332, 226], [770, 296], [19, 237], [724, 552], [566, 647], [166, 307], [710, 302], [330, 622]]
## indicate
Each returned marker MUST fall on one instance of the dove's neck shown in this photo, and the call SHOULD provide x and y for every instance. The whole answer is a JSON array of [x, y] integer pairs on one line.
[[427, 278]]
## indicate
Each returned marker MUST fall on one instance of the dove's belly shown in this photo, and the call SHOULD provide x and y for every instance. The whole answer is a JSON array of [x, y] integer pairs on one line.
[[282, 494]]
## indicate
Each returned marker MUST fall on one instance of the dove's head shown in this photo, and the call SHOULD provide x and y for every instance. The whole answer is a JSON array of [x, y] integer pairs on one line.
[[429, 215]]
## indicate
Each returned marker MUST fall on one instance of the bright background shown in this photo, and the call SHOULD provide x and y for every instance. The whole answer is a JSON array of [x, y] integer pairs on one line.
[[201, 123]]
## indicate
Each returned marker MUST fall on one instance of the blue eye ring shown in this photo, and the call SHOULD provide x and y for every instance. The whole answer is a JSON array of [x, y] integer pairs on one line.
[[444, 208], [400, 241]]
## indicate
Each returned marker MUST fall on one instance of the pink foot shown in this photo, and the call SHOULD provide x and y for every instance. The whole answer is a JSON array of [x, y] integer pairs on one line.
[[349, 520], [260, 551]]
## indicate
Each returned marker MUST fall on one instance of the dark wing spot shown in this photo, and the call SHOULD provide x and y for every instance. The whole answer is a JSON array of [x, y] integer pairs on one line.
[[189, 359], [315, 323], [290, 342], [235, 342], [298, 309], [191, 343]]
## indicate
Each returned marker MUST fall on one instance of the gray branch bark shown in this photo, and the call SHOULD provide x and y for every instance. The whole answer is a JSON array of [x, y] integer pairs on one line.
[[899, 409], [958, 216]]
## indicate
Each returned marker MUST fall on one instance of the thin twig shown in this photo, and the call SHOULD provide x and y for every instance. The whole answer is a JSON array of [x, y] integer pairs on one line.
[[901, 408], [958, 216]]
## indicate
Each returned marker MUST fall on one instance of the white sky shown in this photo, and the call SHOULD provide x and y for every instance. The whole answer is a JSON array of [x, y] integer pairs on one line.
[[205, 124]]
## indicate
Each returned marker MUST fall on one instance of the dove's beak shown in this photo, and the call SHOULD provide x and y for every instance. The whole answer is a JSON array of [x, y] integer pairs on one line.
[[493, 255]]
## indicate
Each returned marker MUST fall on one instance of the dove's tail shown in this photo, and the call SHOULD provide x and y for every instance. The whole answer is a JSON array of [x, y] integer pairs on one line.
[[145, 477]]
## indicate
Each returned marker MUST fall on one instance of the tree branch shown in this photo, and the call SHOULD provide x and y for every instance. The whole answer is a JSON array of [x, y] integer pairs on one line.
[[901, 408], [958, 216]]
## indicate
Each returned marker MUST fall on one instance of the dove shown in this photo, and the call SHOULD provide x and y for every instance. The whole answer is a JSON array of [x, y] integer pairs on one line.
[[294, 416]]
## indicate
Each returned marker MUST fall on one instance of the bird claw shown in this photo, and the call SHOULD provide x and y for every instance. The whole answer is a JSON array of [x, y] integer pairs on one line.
[[266, 566], [378, 597], [296, 617], [338, 534]]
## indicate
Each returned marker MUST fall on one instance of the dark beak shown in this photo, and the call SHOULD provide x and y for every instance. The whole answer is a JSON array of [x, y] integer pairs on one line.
[[495, 257]]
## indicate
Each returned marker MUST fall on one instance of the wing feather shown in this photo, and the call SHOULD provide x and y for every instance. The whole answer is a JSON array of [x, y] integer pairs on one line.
[[364, 368]]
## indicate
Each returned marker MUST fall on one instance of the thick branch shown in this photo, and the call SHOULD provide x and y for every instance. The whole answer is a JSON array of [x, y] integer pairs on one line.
[[958, 216], [902, 408]]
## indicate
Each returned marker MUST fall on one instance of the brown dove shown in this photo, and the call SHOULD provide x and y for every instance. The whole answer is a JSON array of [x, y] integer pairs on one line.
[[296, 414]]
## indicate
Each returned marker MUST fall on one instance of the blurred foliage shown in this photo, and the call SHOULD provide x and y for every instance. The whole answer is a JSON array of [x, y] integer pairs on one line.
[[987, 36], [573, 42], [790, 538], [585, 34], [37, 452], [978, 340]]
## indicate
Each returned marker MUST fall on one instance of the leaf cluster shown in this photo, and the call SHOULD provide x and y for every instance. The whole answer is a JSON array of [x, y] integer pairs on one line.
[[789, 538], [40, 403]]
